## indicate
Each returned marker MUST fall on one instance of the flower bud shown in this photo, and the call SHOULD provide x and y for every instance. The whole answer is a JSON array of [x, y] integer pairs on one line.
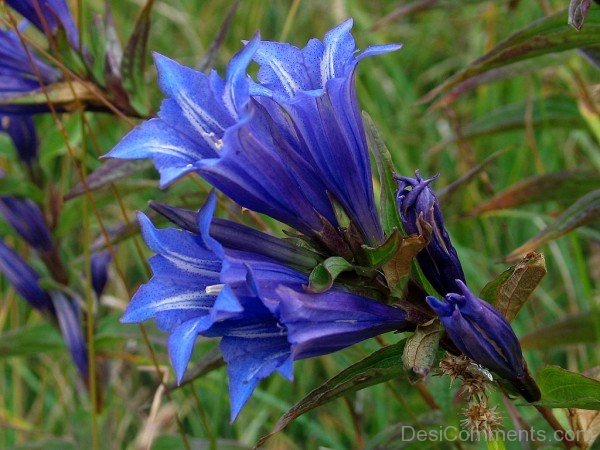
[[480, 332], [25, 217], [420, 213], [23, 278]]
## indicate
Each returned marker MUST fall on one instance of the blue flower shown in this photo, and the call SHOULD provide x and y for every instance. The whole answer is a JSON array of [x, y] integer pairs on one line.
[[21, 131], [420, 213], [48, 16], [479, 331], [17, 76], [254, 303], [99, 268], [23, 278], [26, 219], [67, 315], [288, 146]]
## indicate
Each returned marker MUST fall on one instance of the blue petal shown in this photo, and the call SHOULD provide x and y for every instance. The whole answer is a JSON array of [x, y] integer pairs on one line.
[[174, 153], [70, 328], [192, 106], [21, 130], [183, 337], [318, 324], [23, 278], [250, 358]]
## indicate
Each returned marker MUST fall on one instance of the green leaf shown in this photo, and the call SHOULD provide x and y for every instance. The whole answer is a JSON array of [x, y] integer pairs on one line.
[[509, 292], [549, 34], [574, 329], [390, 216], [422, 346], [565, 185], [377, 256], [112, 170], [584, 211], [323, 275], [379, 367], [133, 64], [31, 340], [557, 111], [563, 389]]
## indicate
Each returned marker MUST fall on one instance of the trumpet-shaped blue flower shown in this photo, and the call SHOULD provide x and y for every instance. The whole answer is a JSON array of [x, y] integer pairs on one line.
[[254, 303], [99, 269], [484, 335], [284, 146], [67, 315], [21, 71], [419, 208], [21, 131], [48, 16], [23, 278], [25, 217]]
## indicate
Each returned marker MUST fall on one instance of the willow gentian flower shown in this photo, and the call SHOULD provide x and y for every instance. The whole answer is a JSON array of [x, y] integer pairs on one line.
[[21, 131], [286, 146], [254, 303], [21, 71], [419, 208], [99, 269], [67, 315], [27, 220], [23, 278], [479, 331], [48, 16]]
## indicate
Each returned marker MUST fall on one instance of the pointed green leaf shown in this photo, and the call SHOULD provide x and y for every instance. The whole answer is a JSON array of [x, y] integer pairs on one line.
[[376, 256], [31, 340], [564, 389], [549, 34], [134, 60], [584, 211], [565, 186], [390, 216], [112, 170], [575, 329], [379, 367]]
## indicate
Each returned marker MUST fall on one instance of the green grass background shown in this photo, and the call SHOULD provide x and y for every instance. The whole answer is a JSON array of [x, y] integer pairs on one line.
[[42, 403]]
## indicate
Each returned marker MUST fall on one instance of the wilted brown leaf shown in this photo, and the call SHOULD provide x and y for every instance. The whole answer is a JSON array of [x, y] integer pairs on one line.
[[399, 265], [515, 290]]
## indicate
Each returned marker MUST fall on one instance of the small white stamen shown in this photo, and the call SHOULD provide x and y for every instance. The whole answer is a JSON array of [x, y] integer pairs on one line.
[[214, 289]]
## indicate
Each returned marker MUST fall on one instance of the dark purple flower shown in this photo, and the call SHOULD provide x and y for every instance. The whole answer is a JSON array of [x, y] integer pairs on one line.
[[285, 146], [419, 208], [48, 16], [23, 278], [99, 267], [200, 287], [21, 130], [479, 331], [25, 217], [70, 327]]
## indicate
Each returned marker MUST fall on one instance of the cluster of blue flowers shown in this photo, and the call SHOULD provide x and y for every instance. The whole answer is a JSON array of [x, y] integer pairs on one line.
[[22, 72], [290, 144]]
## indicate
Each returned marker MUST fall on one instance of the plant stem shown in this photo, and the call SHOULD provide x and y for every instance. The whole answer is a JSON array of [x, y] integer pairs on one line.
[[549, 416]]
